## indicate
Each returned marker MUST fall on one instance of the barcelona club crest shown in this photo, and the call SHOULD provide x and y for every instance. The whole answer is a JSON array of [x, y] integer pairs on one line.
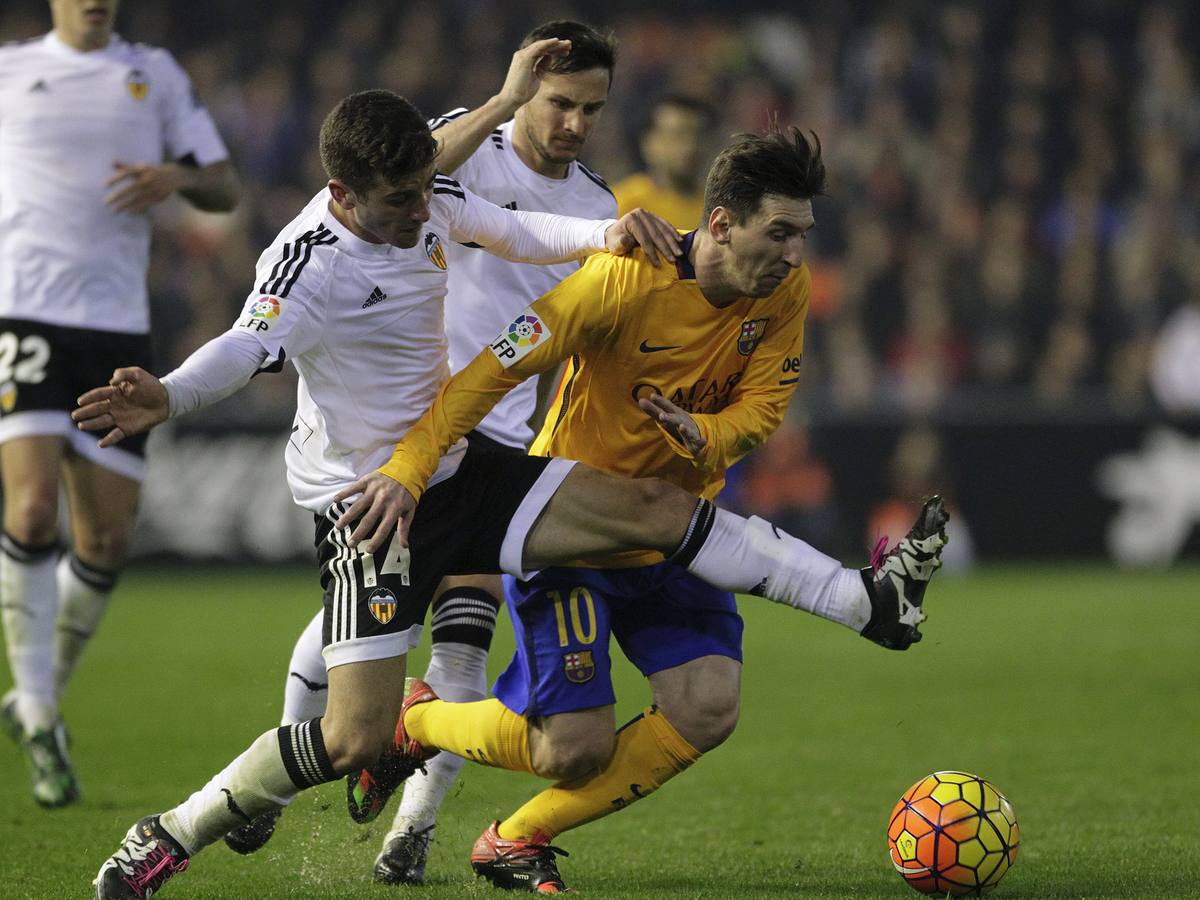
[[753, 331], [433, 249], [137, 84], [579, 667], [382, 604]]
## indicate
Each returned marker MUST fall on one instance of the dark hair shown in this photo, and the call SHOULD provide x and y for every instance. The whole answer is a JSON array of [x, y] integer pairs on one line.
[[780, 162], [590, 47], [374, 135], [700, 108]]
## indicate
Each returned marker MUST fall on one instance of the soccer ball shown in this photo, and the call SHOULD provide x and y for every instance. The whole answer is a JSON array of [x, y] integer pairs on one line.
[[953, 834]]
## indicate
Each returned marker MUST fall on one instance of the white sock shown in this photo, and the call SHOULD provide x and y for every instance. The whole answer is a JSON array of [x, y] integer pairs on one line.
[[753, 556], [307, 688], [267, 776], [458, 673], [83, 594], [29, 600]]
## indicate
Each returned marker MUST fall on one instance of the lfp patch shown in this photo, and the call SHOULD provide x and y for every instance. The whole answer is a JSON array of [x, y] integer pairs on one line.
[[521, 336], [752, 331], [579, 667], [382, 604], [137, 84], [433, 249], [266, 308]]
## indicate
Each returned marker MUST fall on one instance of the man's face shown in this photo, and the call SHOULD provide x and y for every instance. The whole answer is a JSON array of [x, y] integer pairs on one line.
[[394, 213], [762, 251], [84, 24], [674, 145], [557, 121]]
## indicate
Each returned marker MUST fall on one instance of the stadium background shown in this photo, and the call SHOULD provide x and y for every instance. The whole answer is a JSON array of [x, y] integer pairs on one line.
[[1006, 266], [1007, 305]]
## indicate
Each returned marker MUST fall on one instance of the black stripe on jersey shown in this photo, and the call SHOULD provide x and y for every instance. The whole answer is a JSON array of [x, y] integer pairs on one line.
[[566, 392], [291, 253], [498, 139], [593, 176], [439, 121], [445, 185], [471, 245], [327, 239]]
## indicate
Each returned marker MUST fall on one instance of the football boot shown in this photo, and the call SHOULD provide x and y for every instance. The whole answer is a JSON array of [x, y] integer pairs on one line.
[[368, 792], [402, 860], [146, 859], [254, 834], [896, 579], [518, 865], [51, 773]]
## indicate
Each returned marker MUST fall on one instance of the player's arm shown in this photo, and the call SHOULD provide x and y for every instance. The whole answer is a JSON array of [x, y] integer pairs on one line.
[[537, 237], [578, 312], [195, 163], [715, 441], [460, 136], [135, 401], [134, 188]]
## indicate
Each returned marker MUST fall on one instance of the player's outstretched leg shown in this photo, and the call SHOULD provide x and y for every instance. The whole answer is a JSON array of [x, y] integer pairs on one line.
[[462, 623], [368, 791], [526, 865], [896, 580], [145, 860], [304, 697]]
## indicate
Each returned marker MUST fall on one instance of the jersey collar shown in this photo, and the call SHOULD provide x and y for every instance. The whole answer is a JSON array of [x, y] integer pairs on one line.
[[683, 265]]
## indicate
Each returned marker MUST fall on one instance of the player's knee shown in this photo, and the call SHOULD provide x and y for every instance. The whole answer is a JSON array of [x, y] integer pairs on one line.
[[357, 746], [105, 547], [31, 517], [647, 503], [708, 721], [570, 759]]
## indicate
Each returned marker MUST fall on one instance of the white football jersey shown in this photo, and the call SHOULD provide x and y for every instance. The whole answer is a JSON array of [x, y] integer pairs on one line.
[[485, 292], [66, 117], [362, 323]]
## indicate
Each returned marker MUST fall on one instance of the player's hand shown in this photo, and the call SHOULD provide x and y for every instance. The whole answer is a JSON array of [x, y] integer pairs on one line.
[[139, 187], [639, 228], [677, 422], [133, 401], [525, 71], [384, 504]]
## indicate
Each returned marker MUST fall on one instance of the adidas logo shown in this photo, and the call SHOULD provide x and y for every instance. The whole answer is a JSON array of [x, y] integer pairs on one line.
[[510, 205], [377, 296], [39, 87]]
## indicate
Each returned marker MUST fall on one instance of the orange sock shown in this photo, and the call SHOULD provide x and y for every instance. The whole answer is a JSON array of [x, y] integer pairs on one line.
[[485, 731], [649, 753]]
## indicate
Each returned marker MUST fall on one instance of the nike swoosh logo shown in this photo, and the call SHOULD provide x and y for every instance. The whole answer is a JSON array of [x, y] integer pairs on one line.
[[647, 348]]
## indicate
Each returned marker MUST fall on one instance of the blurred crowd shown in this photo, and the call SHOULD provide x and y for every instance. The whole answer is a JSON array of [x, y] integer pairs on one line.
[[1014, 202], [1013, 198]]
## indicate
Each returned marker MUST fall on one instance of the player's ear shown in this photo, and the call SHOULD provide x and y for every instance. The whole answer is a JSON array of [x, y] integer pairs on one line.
[[342, 195], [719, 224]]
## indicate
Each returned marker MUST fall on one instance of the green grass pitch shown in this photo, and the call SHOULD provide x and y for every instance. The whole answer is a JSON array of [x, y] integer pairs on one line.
[[1076, 690]]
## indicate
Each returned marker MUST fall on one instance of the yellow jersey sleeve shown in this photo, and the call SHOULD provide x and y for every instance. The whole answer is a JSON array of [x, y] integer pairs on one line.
[[577, 312]]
